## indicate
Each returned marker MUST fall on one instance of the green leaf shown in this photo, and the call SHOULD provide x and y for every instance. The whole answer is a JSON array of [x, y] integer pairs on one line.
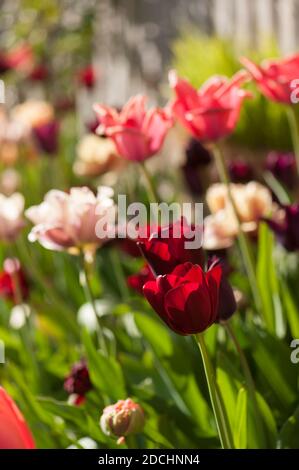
[[289, 434], [106, 373], [240, 424], [291, 310], [268, 282]]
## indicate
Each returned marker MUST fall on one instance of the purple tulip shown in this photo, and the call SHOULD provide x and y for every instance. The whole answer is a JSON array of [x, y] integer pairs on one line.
[[287, 229], [240, 172], [47, 136], [283, 167]]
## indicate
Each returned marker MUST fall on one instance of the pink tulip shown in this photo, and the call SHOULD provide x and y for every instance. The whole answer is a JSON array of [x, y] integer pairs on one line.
[[68, 221], [14, 433], [212, 112], [274, 77], [11, 216], [137, 133]]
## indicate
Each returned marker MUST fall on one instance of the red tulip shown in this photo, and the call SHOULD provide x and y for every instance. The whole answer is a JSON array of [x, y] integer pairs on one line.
[[137, 133], [9, 277], [14, 433], [187, 299], [137, 281], [274, 77], [87, 77], [212, 112], [164, 254]]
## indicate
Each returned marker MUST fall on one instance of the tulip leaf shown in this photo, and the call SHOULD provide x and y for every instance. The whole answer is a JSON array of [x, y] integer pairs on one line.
[[106, 373], [268, 282], [289, 433], [240, 422], [291, 310]]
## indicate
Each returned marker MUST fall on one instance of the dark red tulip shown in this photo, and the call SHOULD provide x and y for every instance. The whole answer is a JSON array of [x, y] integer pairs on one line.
[[87, 77], [47, 136], [240, 172], [4, 63], [190, 300], [286, 227], [283, 167], [14, 432], [13, 282], [164, 254], [40, 73], [197, 157], [137, 281], [78, 381]]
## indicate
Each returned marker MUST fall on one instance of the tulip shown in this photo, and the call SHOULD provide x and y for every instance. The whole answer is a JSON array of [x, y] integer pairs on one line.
[[197, 158], [137, 281], [47, 136], [14, 433], [13, 282], [252, 200], [78, 381], [163, 254], [285, 225], [11, 216], [68, 221], [87, 77], [137, 133], [240, 172], [40, 73], [283, 167], [274, 77], [122, 419], [96, 156], [220, 230], [33, 113], [212, 112], [188, 299]]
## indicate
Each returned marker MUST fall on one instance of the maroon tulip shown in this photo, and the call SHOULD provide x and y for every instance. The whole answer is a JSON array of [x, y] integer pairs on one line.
[[47, 136], [286, 228], [240, 172], [283, 167], [13, 282], [164, 254], [40, 73], [137, 281], [189, 300], [78, 381]]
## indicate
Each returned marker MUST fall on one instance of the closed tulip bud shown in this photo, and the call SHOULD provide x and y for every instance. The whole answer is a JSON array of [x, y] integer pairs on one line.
[[122, 419]]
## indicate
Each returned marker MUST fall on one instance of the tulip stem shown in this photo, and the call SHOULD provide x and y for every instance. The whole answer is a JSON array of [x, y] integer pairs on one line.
[[152, 193], [242, 239], [220, 414], [294, 133], [85, 282]]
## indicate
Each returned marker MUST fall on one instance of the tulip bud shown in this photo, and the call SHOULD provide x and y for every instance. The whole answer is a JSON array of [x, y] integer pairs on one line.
[[122, 419], [78, 381]]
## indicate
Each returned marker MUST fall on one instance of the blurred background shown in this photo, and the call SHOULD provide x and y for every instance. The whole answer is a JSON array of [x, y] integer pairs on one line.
[[131, 45]]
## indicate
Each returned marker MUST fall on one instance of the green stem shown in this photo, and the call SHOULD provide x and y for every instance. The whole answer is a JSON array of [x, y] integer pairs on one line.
[[152, 193], [294, 133], [220, 414], [242, 239], [90, 298]]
